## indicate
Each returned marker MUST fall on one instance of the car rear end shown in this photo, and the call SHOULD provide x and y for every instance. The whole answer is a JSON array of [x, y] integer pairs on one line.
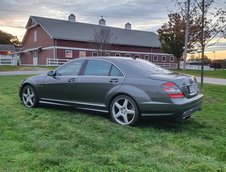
[[170, 94], [183, 93]]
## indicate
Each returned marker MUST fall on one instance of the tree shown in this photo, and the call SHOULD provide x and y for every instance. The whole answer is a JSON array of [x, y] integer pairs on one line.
[[214, 20], [210, 27], [171, 36], [214, 23], [103, 40], [206, 60], [6, 38]]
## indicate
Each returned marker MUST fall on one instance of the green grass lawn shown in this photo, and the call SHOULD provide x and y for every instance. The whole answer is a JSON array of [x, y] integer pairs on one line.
[[22, 68], [210, 74], [62, 139]]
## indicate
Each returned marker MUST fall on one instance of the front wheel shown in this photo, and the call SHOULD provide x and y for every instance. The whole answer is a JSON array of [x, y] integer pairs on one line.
[[124, 110], [29, 97]]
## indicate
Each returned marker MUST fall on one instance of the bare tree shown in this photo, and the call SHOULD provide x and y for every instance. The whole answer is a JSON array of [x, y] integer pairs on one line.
[[211, 24], [103, 40], [214, 22], [211, 28]]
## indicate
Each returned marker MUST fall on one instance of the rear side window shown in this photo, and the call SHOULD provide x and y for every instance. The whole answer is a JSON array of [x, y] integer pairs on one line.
[[115, 71], [97, 68], [147, 67]]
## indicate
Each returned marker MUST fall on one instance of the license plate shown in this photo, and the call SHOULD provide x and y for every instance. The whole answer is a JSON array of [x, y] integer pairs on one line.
[[192, 88]]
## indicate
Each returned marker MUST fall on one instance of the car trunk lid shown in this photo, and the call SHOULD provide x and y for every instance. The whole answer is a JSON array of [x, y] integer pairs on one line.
[[187, 83]]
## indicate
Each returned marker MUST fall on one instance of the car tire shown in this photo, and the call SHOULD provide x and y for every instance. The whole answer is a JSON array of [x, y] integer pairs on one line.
[[124, 110], [29, 97]]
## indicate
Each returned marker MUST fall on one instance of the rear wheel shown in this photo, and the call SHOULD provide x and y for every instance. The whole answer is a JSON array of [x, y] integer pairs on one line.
[[124, 110], [29, 97]]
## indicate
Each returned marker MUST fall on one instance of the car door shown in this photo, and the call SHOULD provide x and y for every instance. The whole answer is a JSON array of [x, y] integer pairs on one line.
[[99, 78], [62, 85]]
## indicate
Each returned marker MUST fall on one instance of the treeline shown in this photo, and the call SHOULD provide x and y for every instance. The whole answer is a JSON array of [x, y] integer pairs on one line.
[[7, 38]]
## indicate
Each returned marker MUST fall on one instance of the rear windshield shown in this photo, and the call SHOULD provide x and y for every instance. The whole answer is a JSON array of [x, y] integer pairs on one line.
[[147, 67]]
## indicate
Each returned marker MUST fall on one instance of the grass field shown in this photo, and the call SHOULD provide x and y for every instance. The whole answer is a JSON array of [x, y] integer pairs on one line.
[[210, 74], [23, 68], [62, 139]]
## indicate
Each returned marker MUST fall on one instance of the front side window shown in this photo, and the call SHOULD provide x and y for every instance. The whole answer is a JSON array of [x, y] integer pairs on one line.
[[97, 68], [71, 68]]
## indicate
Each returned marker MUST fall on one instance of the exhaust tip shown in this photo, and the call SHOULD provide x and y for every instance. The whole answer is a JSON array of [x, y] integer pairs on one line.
[[186, 117]]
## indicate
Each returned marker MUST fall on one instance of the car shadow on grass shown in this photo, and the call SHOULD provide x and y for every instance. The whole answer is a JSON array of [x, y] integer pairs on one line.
[[147, 122], [171, 124], [74, 110]]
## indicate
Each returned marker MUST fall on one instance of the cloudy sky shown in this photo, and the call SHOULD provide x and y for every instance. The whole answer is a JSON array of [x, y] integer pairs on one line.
[[146, 15]]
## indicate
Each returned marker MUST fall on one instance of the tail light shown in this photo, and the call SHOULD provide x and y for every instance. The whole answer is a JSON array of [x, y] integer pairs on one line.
[[172, 90]]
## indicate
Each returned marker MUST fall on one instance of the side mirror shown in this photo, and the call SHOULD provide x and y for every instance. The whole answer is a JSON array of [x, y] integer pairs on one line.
[[50, 73]]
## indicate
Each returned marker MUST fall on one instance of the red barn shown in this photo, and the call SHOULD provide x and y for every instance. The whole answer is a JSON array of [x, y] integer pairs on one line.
[[53, 42], [6, 49]]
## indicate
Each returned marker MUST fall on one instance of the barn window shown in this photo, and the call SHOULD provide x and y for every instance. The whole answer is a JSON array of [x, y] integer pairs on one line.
[[35, 36], [94, 54], [82, 54], [117, 54], [155, 58], [146, 57], [163, 58], [137, 56], [68, 53], [128, 55], [171, 58]]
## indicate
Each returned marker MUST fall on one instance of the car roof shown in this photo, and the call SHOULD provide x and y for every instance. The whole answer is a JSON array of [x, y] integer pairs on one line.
[[108, 58]]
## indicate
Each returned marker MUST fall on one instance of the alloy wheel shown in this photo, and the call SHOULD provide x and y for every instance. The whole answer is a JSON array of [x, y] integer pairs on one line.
[[28, 97], [124, 110]]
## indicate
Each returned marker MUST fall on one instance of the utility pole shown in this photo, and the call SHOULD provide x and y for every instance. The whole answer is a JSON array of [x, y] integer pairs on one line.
[[214, 53], [202, 41], [186, 34]]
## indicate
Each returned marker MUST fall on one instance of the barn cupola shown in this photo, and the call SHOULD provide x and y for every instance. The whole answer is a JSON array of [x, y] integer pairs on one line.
[[102, 22], [71, 18], [128, 26]]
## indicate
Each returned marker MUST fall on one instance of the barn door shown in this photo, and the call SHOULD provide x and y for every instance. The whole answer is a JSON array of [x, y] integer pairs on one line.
[[35, 58]]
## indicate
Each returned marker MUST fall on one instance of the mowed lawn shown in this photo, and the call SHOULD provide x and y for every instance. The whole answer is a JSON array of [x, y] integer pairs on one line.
[[23, 68], [210, 74], [63, 139]]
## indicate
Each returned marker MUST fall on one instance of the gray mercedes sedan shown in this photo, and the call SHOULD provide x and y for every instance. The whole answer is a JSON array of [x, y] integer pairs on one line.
[[126, 88]]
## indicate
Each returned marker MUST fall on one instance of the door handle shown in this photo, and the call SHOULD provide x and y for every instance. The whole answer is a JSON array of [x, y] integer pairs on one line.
[[113, 80], [71, 80]]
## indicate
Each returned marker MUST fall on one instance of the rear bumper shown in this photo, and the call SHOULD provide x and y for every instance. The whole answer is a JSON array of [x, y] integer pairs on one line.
[[178, 108]]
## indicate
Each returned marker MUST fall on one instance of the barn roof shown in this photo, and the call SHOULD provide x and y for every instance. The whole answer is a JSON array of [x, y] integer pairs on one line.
[[76, 31], [7, 47]]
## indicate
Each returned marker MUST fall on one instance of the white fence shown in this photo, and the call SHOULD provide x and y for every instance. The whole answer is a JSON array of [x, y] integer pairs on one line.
[[7, 61], [55, 62], [196, 66], [167, 65]]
